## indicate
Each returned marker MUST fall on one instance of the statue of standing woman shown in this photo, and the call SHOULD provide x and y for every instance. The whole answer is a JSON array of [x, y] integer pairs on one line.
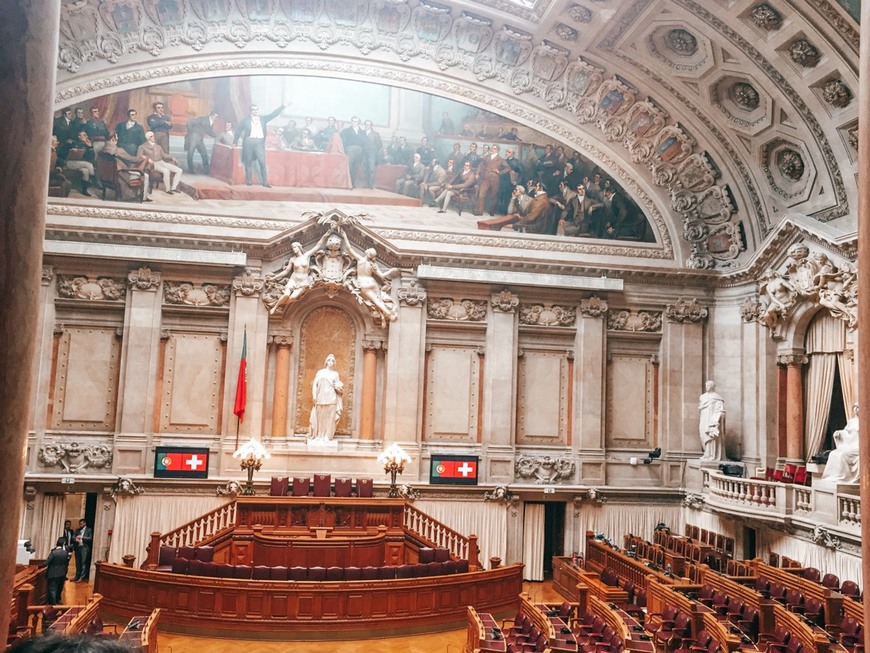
[[712, 422], [326, 390]]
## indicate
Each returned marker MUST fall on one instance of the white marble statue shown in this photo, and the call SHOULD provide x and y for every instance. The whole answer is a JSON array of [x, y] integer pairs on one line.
[[326, 390], [298, 275], [371, 286], [712, 422], [843, 462]]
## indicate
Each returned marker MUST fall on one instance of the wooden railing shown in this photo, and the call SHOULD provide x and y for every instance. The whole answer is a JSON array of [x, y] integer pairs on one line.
[[149, 632], [435, 533], [202, 529]]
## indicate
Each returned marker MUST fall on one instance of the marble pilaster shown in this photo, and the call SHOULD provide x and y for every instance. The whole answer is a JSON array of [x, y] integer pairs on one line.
[[590, 346], [682, 382], [500, 376]]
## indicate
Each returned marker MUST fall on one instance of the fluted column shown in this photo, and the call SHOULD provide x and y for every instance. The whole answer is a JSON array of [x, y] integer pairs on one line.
[[369, 388], [28, 50], [282, 385], [794, 405]]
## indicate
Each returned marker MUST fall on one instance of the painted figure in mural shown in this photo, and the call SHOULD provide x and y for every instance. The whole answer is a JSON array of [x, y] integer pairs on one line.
[[712, 422], [326, 392], [843, 462]]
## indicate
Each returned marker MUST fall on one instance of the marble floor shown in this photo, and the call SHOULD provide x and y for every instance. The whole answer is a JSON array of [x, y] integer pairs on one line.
[[447, 642]]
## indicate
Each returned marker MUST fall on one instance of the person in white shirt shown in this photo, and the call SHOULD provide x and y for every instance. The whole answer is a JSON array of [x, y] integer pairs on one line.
[[252, 132]]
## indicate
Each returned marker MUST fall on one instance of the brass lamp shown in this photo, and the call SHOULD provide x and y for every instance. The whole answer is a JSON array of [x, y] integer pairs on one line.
[[251, 456], [394, 459]]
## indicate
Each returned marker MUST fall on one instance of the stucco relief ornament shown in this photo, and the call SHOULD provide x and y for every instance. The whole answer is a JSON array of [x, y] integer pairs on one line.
[[682, 42], [466, 310], [143, 279], [580, 14], [766, 17], [837, 93], [505, 302], [231, 489], [804, 53], [751, 309], [593, 307], [745, 96], [501, 493], [822, 536], [100, 288], [547, 315], [626, 320], [565, 32], [407, 492], [248, 284], [545, 469], [72, 457], [124, 487], [188, 294], [686, 311], [694, 501], [412, 294]]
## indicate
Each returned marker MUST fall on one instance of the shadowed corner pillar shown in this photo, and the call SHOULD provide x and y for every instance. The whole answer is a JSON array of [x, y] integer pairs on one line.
[[794, 405], [369, 388], [28, 50], [282, 385]]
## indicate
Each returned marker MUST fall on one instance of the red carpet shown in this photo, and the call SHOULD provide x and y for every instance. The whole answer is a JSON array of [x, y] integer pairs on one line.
[[201, 187]]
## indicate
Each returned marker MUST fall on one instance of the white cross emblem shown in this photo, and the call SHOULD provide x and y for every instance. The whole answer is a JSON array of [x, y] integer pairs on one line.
[[194, 462], [465, 469]]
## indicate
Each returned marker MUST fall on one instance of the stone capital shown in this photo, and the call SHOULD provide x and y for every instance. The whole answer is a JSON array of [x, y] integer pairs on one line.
[[143, 279], [412, 294], [792, 359], [282, 341], [505, 302], [372, 345], [594, 307], [248, 284]]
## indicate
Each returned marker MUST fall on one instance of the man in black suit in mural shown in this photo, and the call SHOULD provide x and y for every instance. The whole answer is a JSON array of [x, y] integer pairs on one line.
[[252, 132], [130, 133]]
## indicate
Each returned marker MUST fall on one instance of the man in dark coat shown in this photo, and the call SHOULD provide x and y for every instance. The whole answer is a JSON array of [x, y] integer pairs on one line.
[[84, 539], [194, 141], [130, 133], [252, 132], [354, 140], [160, 124], [56, 565]]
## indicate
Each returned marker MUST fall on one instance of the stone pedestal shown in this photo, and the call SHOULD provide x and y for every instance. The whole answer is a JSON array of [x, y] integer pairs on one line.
[[321, 446]]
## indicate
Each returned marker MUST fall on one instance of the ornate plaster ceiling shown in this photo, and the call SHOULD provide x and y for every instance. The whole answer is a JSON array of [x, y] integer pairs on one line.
[[721, 116]]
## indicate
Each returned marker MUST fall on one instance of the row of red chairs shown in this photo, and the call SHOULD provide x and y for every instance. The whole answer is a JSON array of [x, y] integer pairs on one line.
[[848, 588], [335, 573], [710, 538], [320, 486], [790, 473]]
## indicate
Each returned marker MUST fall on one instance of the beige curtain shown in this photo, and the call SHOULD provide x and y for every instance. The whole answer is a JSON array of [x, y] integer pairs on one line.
[[818, 385], [533, 541], [138, 516], [48, 526], [843, 564], [487, 520], [847, 382], [618, 519]]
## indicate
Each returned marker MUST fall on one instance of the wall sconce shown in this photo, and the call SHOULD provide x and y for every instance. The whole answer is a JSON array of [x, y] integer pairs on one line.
[[394, 459], [251, 456]]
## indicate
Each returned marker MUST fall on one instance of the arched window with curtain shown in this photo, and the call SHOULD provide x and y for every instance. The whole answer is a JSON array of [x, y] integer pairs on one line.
[[829, 360]]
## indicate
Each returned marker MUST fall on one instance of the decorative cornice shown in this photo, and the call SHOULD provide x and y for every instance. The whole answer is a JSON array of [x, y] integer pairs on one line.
[[634, 321], [185, 293]]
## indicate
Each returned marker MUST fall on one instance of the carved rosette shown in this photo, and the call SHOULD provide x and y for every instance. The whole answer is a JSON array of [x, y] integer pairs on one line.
[[143, 279], [547, 315], [804, 53], [412, 294], [544, 469], [248, 284], [580, 14], [766, 17], [184, 293], [466, 310], [634, 321], [594, 307], [750, 309], [566, 32], [91, 288], [837, 94], [685, 311], [73, 457], [505, 302]]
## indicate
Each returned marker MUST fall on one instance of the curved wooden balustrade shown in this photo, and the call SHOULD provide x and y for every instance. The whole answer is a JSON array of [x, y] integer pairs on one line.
[[305, 610]]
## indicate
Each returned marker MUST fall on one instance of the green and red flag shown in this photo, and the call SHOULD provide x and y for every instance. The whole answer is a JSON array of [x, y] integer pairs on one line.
[[242, 382], [453, 470]]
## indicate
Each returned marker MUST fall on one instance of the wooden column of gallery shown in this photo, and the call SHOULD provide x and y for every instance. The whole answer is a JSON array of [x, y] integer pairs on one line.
[[864, 306], [28, 50], [282, 385], [791, 402]]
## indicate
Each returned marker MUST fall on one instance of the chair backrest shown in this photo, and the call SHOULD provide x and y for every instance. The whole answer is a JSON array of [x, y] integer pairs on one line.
[[317, 573], [301, 486], [167, 555], [426, 554], [225, 570], [321, 485], [352, 573], [812, 574], [243, 571], [261, 572], [364, 487], [279, 572], [335, 573], [279, 486], [180, 565], [369, 573], [387, 572], [106, 168], [850, 588], [186, 552], [204, 553], [800, 476], [298, 573], [405, 571], [831, 581], [788, 472], [343, 487]]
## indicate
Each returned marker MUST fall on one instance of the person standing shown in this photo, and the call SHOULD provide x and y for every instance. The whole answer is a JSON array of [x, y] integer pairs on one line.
[[160, 124], [354, 140], [68, 536], [97, 130], [56, 565], [490, 172], [252, 132], [84, 537], [197, 130], [371, 150], [130, 133], [63, 125]]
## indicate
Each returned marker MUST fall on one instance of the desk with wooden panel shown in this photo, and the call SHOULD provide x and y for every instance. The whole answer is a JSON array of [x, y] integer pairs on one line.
[[600, 556], [623, 624], [551, 626], [140, 634], [481, 636]]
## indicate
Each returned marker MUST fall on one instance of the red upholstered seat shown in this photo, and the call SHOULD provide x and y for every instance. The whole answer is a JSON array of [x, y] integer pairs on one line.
[[831, 581], [209, 569], [261, 572], [300, 486], [426, 555], [421, 569], [343, 487], [462, 566], [167, 555], [224, 570], [436, 568], [317, 573], [441, 554], [850, 588], [369, 573], [298, 573], [279, 572], [204, 553], [364, 488], [449, 567], [405, 571], [279, 486], [811, 573], [186, 552], [321, 485], [242, 571], [335, 573], [387, 572], [195, 568], [180, 565], [352, 573]]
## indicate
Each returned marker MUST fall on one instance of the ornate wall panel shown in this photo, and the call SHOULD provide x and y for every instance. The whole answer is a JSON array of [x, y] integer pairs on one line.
[[542, 398], [86, 379], [325, 331], [192, 372], [629, 396], [452, 394]]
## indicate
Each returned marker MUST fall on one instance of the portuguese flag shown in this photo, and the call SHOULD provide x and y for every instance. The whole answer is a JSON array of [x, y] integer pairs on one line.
[[242, 382], [453, 470]]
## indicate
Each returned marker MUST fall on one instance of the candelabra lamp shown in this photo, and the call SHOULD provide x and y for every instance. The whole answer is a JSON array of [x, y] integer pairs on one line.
[[250, 456], [394, 459]]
